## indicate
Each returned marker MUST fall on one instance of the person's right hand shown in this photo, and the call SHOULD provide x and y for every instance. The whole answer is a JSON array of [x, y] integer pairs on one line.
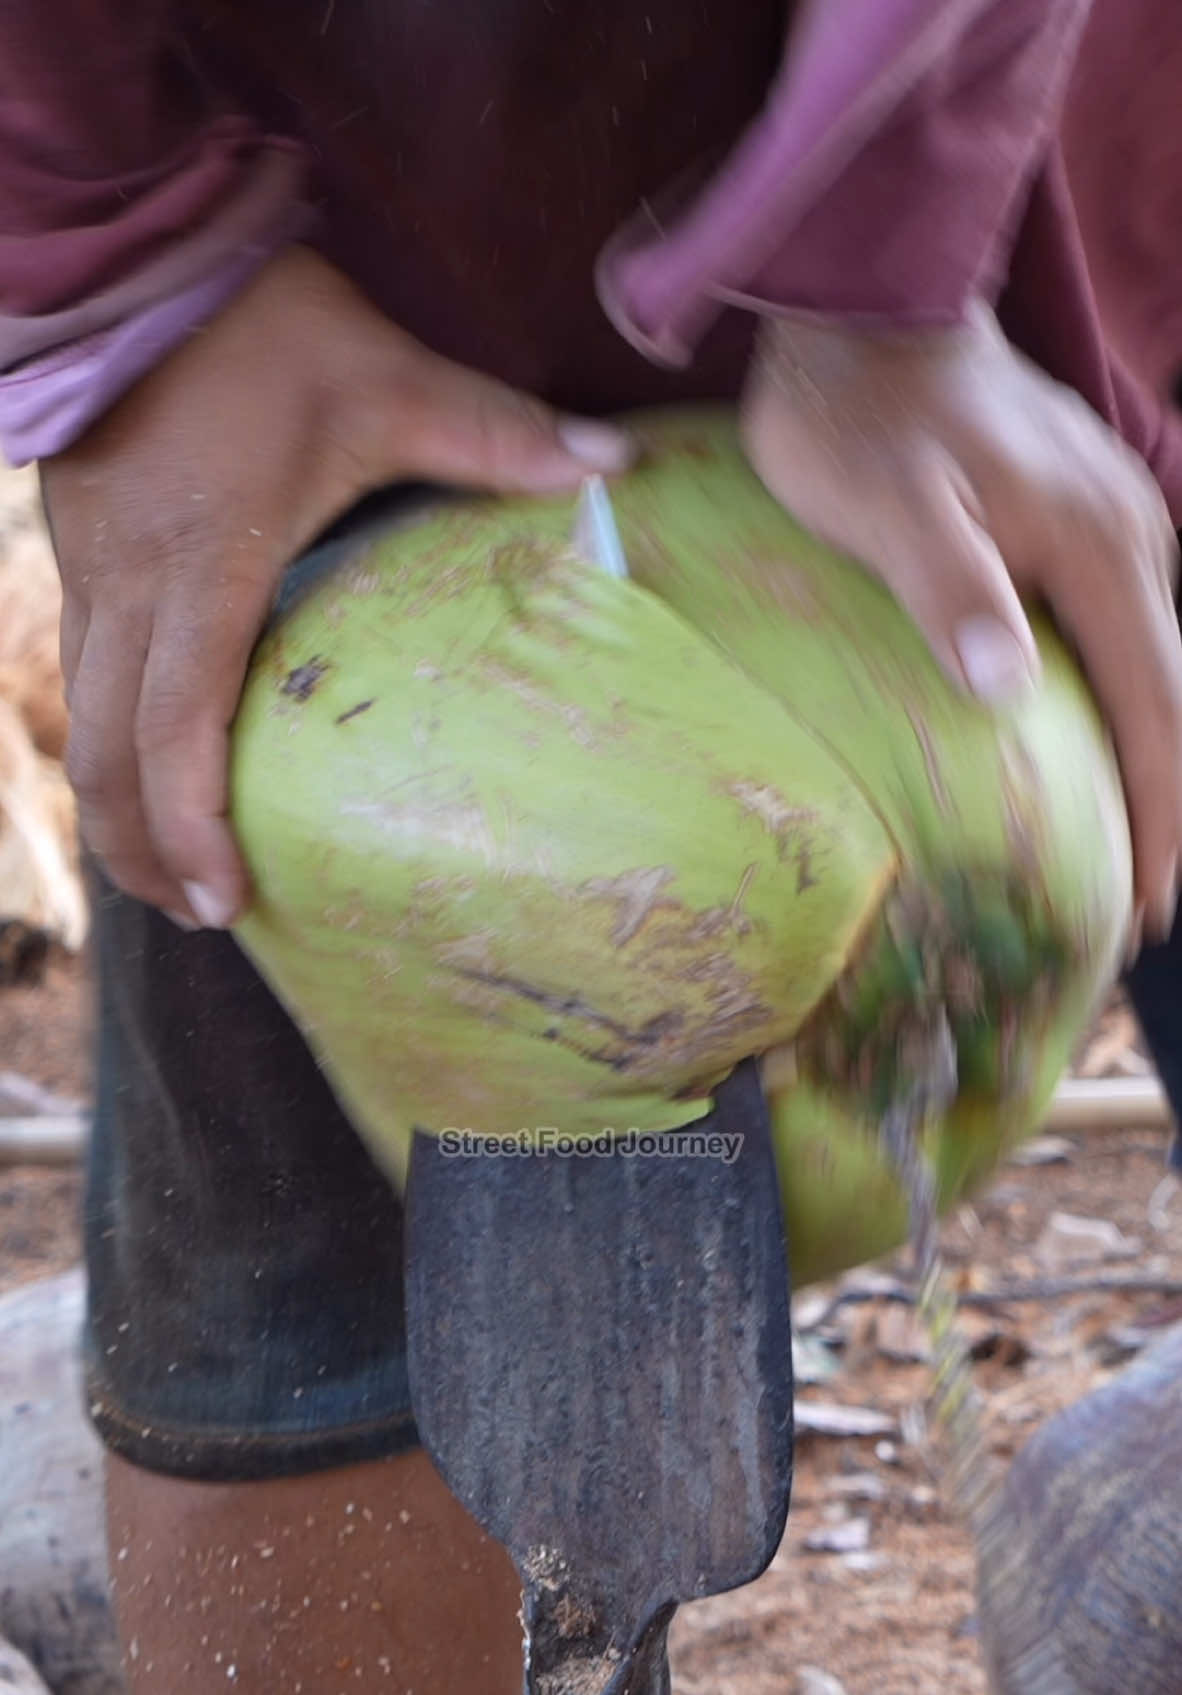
[[174, 517], [964, 477]]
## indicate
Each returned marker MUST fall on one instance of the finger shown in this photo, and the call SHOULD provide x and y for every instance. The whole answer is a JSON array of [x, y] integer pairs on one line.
[[192, 682], [912, 525], [1161, 546], [101, 761], [946, 569], [1128, 521], [451, 424], [1130, 647], [1148, 515], [71, 636]]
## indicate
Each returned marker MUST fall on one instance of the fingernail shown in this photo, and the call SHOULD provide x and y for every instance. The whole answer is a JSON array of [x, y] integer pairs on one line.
[[213, 911], [994, 663], [601, 447], [181, 920]]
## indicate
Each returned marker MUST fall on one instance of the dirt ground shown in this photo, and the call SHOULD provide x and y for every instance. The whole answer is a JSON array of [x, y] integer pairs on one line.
[[887, 1609]]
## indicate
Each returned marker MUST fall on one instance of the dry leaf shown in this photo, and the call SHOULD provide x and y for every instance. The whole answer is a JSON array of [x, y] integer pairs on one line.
[[1068, 1240], [863, 1561], [21, 1097], [849, 1537], [901, 1336], [809, 1308], [812, 1361], [1113, 1048], [1044, 1150], [857, 1486], [811, 1680], [825, 1418]]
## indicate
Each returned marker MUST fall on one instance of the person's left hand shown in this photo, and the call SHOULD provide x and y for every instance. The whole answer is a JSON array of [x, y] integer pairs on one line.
[[967, 480]]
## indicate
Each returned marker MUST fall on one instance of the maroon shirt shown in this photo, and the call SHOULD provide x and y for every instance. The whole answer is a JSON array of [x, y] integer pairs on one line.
[[469, 163]]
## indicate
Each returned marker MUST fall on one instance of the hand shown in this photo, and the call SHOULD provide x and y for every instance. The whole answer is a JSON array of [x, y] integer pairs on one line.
[[964, 477], [174, 517]]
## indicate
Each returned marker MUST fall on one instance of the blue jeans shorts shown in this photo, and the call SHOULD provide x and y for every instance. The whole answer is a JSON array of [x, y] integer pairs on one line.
[[244, 1254]]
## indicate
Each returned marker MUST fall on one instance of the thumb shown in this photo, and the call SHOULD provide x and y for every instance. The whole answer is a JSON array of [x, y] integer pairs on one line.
[[458, 426], [948, 572]]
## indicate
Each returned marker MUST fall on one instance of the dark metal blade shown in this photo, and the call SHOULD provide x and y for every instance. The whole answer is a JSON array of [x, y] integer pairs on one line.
[[600, 1359]]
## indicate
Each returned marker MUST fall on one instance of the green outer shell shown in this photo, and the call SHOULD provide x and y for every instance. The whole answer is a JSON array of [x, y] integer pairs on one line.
[[1023, 803], [567, 866], [537, 847]]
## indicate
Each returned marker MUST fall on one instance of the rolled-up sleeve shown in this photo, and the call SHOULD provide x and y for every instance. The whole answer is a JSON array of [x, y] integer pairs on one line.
[[883, 182], [132, 203]]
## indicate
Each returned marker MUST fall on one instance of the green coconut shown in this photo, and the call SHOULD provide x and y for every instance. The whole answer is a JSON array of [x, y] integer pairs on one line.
[[537, 847]]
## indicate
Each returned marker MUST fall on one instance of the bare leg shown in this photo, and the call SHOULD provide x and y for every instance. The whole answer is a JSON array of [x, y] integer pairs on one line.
[[371, 1577]]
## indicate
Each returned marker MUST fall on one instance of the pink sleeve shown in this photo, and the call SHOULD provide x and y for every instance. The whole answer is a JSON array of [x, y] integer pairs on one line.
[[884, 181], [131, 204]]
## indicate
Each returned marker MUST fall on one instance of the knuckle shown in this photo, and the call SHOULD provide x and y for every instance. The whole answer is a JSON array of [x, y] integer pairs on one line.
[[939, 556], [184, 541], [1095, 534], [161, 720], [1108, 506], [130, 879], [90, 772], [372, 419], [1081, 510], [504, 422]]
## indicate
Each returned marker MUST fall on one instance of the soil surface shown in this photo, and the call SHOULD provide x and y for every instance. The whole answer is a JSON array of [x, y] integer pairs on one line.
[[872, 1590], [45, 1035]]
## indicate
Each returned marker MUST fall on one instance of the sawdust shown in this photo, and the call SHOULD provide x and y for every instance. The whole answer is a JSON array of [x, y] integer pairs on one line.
[[569, 1630], [545, 1567], [581, 1676]]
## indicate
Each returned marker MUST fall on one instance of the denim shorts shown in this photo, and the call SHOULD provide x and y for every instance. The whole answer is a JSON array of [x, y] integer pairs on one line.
[[244, 1255]]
